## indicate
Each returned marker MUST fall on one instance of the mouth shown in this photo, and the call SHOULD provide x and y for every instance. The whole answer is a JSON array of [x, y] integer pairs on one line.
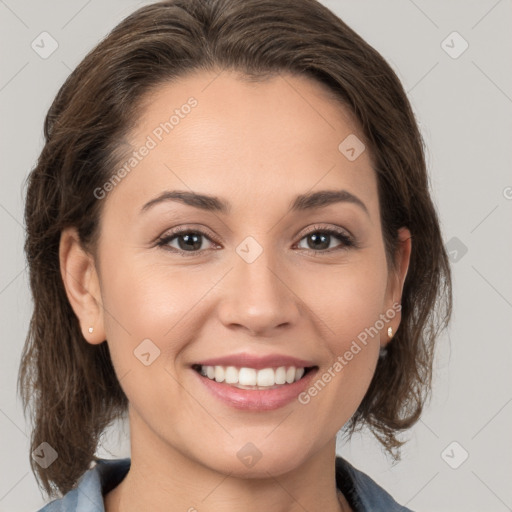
[[254, 379]]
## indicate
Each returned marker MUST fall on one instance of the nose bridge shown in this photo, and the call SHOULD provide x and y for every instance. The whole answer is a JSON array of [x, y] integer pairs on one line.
[[256, 295]]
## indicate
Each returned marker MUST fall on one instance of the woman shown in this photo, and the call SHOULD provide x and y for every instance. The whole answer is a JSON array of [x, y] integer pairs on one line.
[[231, 239]]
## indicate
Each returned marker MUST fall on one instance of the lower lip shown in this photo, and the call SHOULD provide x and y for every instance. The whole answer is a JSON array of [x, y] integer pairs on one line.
[[255, 399]]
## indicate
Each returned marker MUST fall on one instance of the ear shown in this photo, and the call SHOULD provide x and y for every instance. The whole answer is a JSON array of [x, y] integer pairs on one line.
[[396, 283], [81, 282]]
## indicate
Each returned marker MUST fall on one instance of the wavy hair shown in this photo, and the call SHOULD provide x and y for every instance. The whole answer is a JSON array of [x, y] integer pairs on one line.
[[69, 385]]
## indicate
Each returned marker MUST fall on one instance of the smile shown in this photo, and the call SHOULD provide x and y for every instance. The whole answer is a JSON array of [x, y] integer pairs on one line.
[[251, 397], [252, 378]]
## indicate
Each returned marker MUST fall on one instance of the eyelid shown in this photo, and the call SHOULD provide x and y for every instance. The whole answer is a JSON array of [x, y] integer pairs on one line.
[[336, 229], [200, 229]]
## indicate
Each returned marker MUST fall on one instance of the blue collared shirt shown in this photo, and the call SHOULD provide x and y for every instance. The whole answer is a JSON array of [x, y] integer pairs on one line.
[[362, 493]]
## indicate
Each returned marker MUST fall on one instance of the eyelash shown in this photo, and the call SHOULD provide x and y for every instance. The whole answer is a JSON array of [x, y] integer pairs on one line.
[[347, 241]]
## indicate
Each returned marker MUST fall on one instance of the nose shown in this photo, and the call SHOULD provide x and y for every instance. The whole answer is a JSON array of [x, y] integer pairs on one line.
[[258, 298]]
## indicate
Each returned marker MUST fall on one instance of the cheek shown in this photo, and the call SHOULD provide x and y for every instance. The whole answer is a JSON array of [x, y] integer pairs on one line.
[[347, 303], [350, 301], [357, 308], [348, 298], [151, 314], [149, 302]]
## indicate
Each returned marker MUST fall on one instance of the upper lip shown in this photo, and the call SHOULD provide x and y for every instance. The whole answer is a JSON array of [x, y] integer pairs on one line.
[[257, 362]]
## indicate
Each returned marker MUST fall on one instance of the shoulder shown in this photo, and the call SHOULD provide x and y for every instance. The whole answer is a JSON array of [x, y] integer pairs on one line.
[[88, 494], [363, 493]]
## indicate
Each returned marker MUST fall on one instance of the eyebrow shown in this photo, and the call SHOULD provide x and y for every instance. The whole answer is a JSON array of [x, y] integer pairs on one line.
[[303, 202]]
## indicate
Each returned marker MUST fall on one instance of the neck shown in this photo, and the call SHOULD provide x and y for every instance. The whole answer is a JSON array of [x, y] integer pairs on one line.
[[162, 478]]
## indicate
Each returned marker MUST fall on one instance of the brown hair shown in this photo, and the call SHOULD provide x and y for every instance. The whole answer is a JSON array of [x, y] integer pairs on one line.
[[70, 384]]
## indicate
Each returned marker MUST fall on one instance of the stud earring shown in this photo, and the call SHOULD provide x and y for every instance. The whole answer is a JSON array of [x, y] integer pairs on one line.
[[390, 332], [91, 329]]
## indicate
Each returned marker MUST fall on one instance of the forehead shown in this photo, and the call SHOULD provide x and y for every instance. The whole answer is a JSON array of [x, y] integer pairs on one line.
[[257, 142]]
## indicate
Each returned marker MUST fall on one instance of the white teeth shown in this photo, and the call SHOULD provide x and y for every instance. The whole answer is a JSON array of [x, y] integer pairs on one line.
[[247, 377], [266, 377], [219, 373], [280, 375], [231, 374]]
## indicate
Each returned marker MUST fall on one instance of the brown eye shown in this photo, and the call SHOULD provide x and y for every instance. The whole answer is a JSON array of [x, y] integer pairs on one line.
[[321, 239], [188, 241]]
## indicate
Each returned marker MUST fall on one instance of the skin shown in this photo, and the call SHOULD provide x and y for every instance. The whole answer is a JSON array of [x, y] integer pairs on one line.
[[257, 145]]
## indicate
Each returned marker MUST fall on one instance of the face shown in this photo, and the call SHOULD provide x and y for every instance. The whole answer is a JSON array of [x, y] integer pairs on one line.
[[265, 275]]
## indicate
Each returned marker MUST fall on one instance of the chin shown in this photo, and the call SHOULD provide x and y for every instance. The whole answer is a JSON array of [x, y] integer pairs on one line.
[[251, 462]]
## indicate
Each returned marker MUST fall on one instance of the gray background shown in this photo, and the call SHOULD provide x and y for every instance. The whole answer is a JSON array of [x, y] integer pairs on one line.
[[463, 106]]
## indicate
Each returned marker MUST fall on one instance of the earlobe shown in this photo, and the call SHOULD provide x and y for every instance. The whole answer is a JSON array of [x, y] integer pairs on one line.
[[81, 283]]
